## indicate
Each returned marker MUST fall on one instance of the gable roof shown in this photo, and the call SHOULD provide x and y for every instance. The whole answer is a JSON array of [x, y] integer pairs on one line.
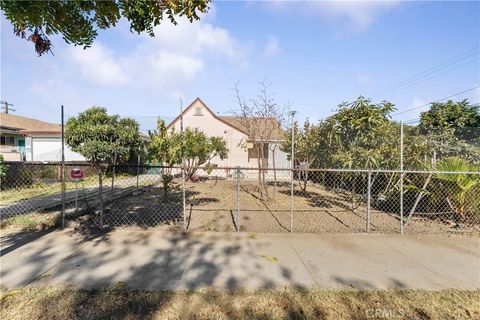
[[235, 122], [208, 109], [263, 126], [28, 125]]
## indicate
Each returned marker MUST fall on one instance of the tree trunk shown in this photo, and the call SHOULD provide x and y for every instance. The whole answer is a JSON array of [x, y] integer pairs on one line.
[[305, 179], [165, 181], [100, 191], [259, 161]]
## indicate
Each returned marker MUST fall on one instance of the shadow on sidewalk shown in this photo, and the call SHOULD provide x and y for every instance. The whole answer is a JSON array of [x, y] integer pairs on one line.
[[14, 240]]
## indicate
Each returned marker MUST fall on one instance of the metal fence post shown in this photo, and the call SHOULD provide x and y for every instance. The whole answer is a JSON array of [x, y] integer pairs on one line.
[[63, 170], [401, 177], [138, 165], [113, 169], [291, 200], [184, 200], [100, 186], [292, 156], [238, 198], [369, 198]]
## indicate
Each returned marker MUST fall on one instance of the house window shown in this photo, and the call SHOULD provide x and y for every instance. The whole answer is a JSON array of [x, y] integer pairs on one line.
[[7, 141], [253, 152], [198, 111]]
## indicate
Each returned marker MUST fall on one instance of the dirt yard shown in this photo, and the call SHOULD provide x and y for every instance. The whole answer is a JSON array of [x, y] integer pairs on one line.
[[212, 206]]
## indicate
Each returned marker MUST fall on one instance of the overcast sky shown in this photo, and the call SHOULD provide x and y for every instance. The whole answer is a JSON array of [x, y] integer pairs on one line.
[[316, 54]]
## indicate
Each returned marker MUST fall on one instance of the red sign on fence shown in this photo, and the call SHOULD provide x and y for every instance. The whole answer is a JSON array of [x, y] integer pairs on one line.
[[76, 174]]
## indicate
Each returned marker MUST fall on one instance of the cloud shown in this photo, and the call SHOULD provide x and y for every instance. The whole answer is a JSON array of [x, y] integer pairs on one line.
[[53, 92], [363, 79], [418, 106], [477, 92], [99, 65], [272, 48], [177, 54], [355, 14]]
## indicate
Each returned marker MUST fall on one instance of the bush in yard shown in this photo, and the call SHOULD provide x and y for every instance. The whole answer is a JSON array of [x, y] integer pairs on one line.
[[3, 167], [98, 136], [16, 175], [307, 143], [199, 150], [461, 188], [164, 149], [3, 171]]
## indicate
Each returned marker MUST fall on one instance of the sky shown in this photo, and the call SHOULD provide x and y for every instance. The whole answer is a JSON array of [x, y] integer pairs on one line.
[[316, 55]]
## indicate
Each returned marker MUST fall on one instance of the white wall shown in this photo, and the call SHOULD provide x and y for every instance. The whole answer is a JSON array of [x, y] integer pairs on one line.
[[49, 149], [211, 126], [281, 160]]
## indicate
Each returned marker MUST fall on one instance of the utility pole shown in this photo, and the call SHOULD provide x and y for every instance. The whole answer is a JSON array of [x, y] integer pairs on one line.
[[6, 107]]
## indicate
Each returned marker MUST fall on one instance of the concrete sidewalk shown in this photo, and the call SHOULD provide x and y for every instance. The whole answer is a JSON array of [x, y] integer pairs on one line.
[[170, 261]]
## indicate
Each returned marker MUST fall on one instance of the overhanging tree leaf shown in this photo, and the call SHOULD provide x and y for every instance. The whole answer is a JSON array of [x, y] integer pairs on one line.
[[78, 21]]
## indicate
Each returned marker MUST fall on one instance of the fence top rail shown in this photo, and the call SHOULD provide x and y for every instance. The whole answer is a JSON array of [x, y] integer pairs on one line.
[[234, 168], [342, 170]]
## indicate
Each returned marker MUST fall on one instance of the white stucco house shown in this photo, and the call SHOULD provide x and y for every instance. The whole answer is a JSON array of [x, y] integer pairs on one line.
[[238, 135], [27, 139]]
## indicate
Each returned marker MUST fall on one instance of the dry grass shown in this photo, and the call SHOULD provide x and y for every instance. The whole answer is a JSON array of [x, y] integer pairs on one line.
[[69, 303], [33, 221], [41, 189], [270, 258]]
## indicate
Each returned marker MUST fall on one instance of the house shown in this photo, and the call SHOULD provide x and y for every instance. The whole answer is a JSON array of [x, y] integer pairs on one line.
[[243, 136], [27, 139]]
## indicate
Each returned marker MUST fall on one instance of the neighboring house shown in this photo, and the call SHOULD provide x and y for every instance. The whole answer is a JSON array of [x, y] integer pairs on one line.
[[26, 139], [236, 132]]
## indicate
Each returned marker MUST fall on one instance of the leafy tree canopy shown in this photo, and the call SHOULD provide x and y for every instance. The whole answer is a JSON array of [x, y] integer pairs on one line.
[[98, 136], [451, 115], [78, 21], [453, 129], [200, 150], [164, 147], [357, 131], [360, 135]]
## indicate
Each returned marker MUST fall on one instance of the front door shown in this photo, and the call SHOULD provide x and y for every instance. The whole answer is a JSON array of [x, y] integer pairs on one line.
[[21, 147]]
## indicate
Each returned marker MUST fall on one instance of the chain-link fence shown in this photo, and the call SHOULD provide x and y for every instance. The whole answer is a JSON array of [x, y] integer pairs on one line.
[[242, 199]]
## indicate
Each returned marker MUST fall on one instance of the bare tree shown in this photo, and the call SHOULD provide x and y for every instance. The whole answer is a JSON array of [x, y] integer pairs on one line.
[[261, 118]]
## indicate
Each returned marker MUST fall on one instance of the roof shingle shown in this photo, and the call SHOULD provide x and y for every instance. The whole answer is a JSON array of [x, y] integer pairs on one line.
[[27, 125]]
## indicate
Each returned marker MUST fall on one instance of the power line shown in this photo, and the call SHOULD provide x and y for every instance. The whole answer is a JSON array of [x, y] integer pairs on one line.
[[415, 120], [434, 76], [427, 104], [464, 55]]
